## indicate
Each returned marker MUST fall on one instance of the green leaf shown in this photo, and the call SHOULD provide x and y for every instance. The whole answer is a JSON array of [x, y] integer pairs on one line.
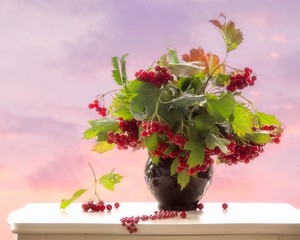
[[119, 77], [222, 80], [143, 105], [187, 99], [213, 141], [232, 36], [243, 120], [197, 152], [120, 108], [184, 69], [265, 119], [183, 179], [100, 128], [174, 165], [205, 124], [109, 180], [260, 138], [154, 159], [66, 202], [222, 107], [104, 146], [123, 69], [173, 56], [151, 142], [116, 71]]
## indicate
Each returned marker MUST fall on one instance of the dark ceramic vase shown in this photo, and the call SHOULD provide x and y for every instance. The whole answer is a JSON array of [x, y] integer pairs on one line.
[[167, 191]]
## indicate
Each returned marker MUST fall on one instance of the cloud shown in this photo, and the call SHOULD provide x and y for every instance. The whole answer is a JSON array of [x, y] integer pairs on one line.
[[274, 55], [11, 124], [63, 172], [279, 38]]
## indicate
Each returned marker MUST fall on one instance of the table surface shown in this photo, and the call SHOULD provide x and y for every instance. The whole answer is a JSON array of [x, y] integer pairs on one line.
[[239, 218]]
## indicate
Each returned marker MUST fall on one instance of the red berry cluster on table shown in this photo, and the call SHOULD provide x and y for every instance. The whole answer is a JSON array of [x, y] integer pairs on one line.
[[130, 223], [99, 206]]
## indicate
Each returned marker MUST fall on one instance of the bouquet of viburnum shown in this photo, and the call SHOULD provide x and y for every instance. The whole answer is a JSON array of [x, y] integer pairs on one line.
[[190, 110]]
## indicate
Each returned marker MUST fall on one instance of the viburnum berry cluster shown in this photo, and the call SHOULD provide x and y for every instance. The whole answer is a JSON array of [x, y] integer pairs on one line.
[[128, 136], [100, 110], [241, 80], [158, 76], [99, 206], [191, 110]]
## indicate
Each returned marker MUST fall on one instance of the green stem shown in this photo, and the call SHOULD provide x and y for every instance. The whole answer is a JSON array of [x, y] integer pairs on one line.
[[95, 182], [100, 96], [251, 103], [210, 75]]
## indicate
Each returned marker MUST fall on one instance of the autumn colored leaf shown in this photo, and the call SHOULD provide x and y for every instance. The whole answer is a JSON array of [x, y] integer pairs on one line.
[[209, 61], [213, 65], [196, 55], [232, 36]]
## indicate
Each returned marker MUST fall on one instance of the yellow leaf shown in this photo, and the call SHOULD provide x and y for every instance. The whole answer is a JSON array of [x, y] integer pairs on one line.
[[101, 147], [213, 65]]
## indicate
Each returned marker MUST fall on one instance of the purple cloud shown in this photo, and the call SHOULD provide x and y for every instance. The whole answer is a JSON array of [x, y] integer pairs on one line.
[[64, 172], [20, 125]]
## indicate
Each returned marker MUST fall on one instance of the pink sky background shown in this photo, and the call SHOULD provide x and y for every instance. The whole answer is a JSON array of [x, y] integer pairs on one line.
[[55, 57]]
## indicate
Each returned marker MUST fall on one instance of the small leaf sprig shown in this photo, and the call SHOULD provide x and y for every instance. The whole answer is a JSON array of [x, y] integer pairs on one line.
[[108, 181]]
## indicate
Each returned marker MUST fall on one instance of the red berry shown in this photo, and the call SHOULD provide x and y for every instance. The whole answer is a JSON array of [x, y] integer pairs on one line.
[[91, 106], [102, 207], [85, 206], [117, 205], [200, 206], [183, 214], [224, 206], [108, 207]]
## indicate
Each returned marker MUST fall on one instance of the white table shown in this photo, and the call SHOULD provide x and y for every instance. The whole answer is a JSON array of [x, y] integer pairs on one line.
[[241, 221]]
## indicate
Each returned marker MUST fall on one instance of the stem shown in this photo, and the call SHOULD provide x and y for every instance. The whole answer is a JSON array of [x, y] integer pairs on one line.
[[104, 94], [210, 75], [251, 103], [95, 182]]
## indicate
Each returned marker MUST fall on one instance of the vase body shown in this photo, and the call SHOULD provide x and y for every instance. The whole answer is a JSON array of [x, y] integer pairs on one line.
[[167, 191]]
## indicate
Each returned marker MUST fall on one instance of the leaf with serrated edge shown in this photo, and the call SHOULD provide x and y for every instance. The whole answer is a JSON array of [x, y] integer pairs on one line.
[[143, 105], [260, 138], [100, 128], [120, 108], [213, 141], [197, 152], [232, 36], [266, 119], [116, 71], [66, 202], [243, 121], [123, 69], [222, 107]]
